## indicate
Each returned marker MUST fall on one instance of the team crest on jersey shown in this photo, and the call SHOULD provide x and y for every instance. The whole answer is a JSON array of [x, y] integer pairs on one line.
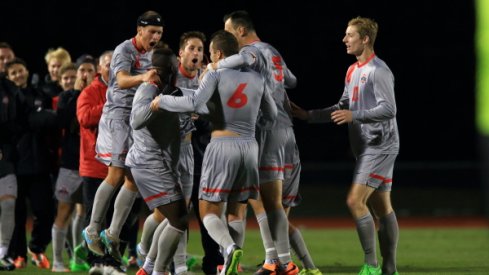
[[363, 79]]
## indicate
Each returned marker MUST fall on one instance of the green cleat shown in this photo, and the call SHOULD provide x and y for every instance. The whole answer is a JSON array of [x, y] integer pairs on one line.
[[75, 267], [232, 261], [306, 271], [370, 270], [191, 262], [81, 251]]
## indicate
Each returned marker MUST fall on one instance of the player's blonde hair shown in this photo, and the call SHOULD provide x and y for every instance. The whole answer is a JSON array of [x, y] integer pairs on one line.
[[365, 27]]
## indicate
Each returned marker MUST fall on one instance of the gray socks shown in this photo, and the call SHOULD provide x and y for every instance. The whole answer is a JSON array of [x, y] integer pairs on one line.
[[300, 248], [100, 205], [180, 257], [388, 239], [149, 227], [153, 250], [279, 229], [167, 244], [270, 251], [366, 234], [122, 207], [237, 231], [59, 239], [7, 221], [217, 230]]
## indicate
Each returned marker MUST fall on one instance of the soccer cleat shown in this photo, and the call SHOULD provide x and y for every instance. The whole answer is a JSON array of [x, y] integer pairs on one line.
[[307, 271], [267, 269], [74, 266], [288, 269], [395, 273], [19, 262], [59, 267], [221, 266], [191, 262], [93, 242], [7, 264], [96, 269], [141, 271], [141, 255], [39, 259], [81, 251], [232, 261], [112, 244], [370, 270]]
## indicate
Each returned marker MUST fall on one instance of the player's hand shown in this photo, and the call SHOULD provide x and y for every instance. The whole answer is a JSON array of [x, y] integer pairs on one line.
[[151, 76], [342, 116], [298, 112], [194, 116], [155, 104]]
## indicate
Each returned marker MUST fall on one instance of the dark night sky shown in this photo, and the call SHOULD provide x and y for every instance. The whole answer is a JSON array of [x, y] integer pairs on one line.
[[427, 44]]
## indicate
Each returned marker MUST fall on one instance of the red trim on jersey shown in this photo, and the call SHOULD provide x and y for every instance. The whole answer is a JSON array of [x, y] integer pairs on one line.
[[350, 72], [134, 43], [183, 72], [368, 60], [150, 198], [379, 177]]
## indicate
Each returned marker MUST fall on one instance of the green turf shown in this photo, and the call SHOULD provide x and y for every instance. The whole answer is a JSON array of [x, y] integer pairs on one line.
[[337, 251]]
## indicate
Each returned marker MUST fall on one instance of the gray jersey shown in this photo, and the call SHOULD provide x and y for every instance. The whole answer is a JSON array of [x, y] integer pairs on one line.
[[240, 95], [127, 58], [369, 94], [192, 83], [156, 138], [266, 60]]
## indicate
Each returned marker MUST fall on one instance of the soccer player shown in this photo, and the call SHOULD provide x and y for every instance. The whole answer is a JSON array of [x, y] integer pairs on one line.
[[368, 106], [235, 98], [189, 69], [130, 66], [153, 159], [279, 159]]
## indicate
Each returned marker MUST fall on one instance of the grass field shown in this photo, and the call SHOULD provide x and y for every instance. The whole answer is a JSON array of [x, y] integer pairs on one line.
[[425, 251]]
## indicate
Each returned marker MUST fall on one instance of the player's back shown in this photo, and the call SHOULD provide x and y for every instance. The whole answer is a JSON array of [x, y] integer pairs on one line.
[[238, 103], [272, 67]]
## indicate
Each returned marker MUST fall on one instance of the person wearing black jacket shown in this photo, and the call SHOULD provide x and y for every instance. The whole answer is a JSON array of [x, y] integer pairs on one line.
[[36, 155]]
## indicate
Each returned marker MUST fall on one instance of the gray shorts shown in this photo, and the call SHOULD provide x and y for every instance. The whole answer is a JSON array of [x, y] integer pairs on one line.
[[113, 141], [278, 150], [230, 170], [186, 168], [375, 171], [158, 186], [68, 186], [8, 185]]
